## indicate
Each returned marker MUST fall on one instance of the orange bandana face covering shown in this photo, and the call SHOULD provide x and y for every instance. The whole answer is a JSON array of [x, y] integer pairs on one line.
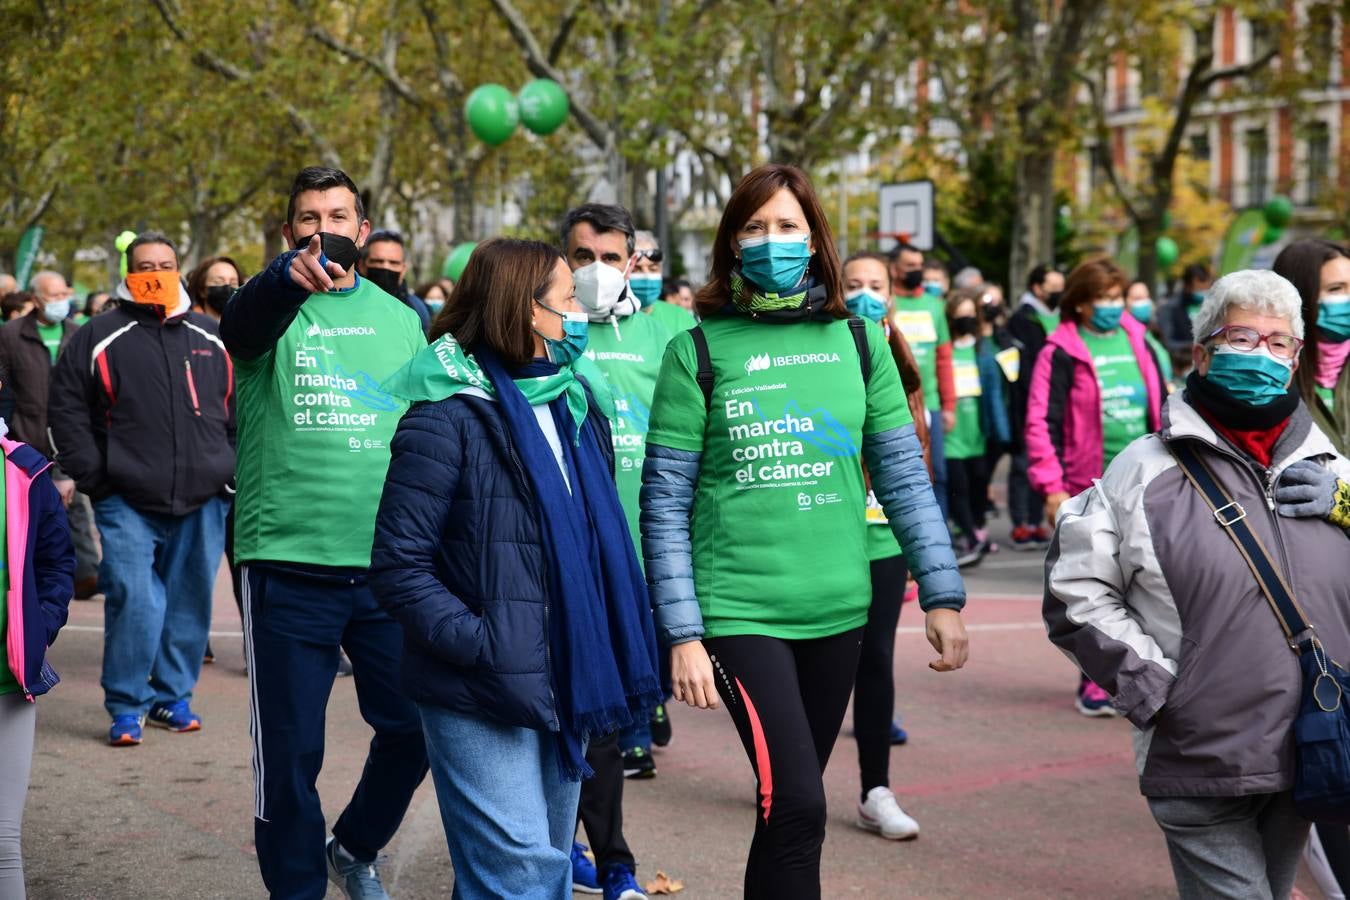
[[154, 288]]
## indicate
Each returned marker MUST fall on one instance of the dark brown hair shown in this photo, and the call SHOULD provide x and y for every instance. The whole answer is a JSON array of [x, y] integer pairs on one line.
[[491, 304], [1089, 281], [754, 191], [196, 283], [11, 304], [1301, 264]]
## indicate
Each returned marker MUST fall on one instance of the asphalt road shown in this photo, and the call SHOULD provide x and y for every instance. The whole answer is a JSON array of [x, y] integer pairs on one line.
[[1017, 795]]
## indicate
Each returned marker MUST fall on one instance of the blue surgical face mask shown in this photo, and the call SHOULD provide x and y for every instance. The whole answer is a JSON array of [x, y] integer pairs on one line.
[[1333, 317], [867, 304], [1195, 298], [1255, 378], [932, 288], [1142, 310], [775, 263], [56, 310], [434, 306], [1107, 318], [646, 287], [576, 333]]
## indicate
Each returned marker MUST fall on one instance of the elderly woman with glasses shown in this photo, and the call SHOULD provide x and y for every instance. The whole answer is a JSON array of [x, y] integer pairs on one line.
[[1148, 594]]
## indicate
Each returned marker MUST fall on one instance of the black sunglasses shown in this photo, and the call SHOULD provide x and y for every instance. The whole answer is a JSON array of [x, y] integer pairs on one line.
[[653, 255]]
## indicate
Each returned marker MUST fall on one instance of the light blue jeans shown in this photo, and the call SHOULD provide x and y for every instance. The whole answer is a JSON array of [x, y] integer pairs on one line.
[[509, 820], [158, 574]]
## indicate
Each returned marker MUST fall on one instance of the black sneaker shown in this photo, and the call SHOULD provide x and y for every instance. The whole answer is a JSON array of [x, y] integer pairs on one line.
[[660, 724], [638, 763]]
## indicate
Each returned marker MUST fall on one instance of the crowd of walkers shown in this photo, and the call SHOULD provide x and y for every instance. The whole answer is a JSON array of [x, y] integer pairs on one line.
[[565, 490]]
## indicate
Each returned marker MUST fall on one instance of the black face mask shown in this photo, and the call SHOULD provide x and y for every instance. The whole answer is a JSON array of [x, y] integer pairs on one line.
[[337, 248], [912, 280], [387, 280], [218, 296], [1052, 299], [964, 326]]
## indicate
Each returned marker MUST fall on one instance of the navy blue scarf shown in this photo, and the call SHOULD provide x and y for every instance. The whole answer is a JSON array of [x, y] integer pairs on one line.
[[602, 643]]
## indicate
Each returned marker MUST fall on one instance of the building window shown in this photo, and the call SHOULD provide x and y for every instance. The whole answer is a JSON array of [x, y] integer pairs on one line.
[[1200, 146], [1258, 161], [1150, 77], [1319, 162], [1263, 38]]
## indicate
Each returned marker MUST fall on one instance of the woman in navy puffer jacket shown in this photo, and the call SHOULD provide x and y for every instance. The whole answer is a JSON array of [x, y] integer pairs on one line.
[[501, 549]]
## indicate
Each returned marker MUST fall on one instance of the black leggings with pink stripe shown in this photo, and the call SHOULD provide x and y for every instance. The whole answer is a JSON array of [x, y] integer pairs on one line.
[[787, 699]]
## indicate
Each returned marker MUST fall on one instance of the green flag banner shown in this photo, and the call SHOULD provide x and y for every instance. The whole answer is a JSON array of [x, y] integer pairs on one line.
[[26, 256], [1242, 240]]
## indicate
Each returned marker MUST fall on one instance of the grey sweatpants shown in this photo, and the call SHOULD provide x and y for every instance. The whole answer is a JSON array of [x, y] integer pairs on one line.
[[1244, 848], [18, 719]]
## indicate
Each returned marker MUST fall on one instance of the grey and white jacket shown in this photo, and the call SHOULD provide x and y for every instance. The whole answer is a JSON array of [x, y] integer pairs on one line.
[[1149, 596]]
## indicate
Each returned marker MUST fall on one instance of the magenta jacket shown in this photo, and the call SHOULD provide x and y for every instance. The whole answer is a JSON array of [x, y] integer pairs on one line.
[[41, 566], [1064, 409]]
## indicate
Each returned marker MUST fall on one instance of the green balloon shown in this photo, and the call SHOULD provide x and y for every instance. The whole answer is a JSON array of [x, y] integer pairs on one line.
[[1278, 211], [543, 105], [492, 113], [1271, 235], [457, 260], [1167, 252]]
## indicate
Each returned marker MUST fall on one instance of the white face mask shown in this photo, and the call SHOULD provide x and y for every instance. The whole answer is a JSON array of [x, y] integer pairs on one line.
[[600, 287]]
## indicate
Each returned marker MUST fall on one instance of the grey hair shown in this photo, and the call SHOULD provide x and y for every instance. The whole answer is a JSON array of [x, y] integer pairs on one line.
[[40, 276], [1255, 290], [969, 277], [646, 239]]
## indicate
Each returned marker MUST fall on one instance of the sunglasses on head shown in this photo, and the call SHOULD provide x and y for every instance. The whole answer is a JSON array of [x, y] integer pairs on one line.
[[654, 255]]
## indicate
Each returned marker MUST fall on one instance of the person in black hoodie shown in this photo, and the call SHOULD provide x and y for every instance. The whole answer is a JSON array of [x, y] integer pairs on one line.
[[141, 413]]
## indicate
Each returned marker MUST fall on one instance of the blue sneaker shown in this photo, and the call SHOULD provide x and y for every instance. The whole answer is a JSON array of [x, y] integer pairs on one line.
[[620, 884], [898, 734], [585, 880], [176, 716], [125, 731], [357, 880]]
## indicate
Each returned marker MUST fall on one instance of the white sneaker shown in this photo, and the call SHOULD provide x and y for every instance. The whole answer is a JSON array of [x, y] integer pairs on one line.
[[880, 813]]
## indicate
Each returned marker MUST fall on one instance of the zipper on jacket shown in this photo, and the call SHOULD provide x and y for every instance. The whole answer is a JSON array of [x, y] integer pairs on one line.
[[548, 635], [192, 387], [614, 320]]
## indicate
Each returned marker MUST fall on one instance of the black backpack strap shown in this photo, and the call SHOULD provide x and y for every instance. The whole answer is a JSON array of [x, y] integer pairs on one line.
[[704, 375], [859, 329], [1232, 517]]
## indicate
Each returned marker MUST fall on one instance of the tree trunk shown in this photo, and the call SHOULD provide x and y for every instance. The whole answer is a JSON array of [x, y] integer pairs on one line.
[[1033, 239], [274, 242]]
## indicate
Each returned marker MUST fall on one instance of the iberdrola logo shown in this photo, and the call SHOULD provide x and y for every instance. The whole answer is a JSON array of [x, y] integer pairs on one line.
[[313, 330], [757, 363]]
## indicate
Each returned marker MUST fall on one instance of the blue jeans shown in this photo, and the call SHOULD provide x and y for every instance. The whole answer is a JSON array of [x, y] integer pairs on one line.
[[509, 819], [936, 443], [158, 574]]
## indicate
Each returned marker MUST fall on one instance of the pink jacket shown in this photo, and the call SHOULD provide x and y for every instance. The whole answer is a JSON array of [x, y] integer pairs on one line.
[[1064, 409]]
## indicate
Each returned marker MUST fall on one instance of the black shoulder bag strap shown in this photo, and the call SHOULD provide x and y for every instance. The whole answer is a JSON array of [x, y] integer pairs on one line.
[[1232, 517], [705, 375]]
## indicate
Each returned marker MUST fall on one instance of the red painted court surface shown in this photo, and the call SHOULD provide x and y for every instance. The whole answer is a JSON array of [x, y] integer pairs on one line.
[[1017, 795]]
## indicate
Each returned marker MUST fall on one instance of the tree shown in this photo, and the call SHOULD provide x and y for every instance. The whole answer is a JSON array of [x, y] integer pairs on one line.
[[1147, 197], [1048, 41]]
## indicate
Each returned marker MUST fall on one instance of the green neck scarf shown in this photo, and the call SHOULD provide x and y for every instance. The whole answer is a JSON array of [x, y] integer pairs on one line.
[[752, 300], [443, 369]]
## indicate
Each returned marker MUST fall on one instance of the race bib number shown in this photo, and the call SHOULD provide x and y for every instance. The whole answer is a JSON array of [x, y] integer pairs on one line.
[[967, 379], [916, 326], [1010, 361], [875, 514]]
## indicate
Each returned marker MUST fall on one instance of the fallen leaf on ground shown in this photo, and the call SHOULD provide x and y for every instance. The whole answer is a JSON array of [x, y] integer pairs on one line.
[[664, 884]]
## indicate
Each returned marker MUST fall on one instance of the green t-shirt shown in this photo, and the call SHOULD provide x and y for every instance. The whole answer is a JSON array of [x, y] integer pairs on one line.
[[923, 322], [675, 318], [314, 429], [778, 522], [1124, 397], [50, 335], [1049, 321], [8, 683], [630, 360], [966, 440]]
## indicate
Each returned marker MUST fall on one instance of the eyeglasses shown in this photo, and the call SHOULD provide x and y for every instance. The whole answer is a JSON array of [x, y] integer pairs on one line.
[[654, 254], [1245, 340]]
